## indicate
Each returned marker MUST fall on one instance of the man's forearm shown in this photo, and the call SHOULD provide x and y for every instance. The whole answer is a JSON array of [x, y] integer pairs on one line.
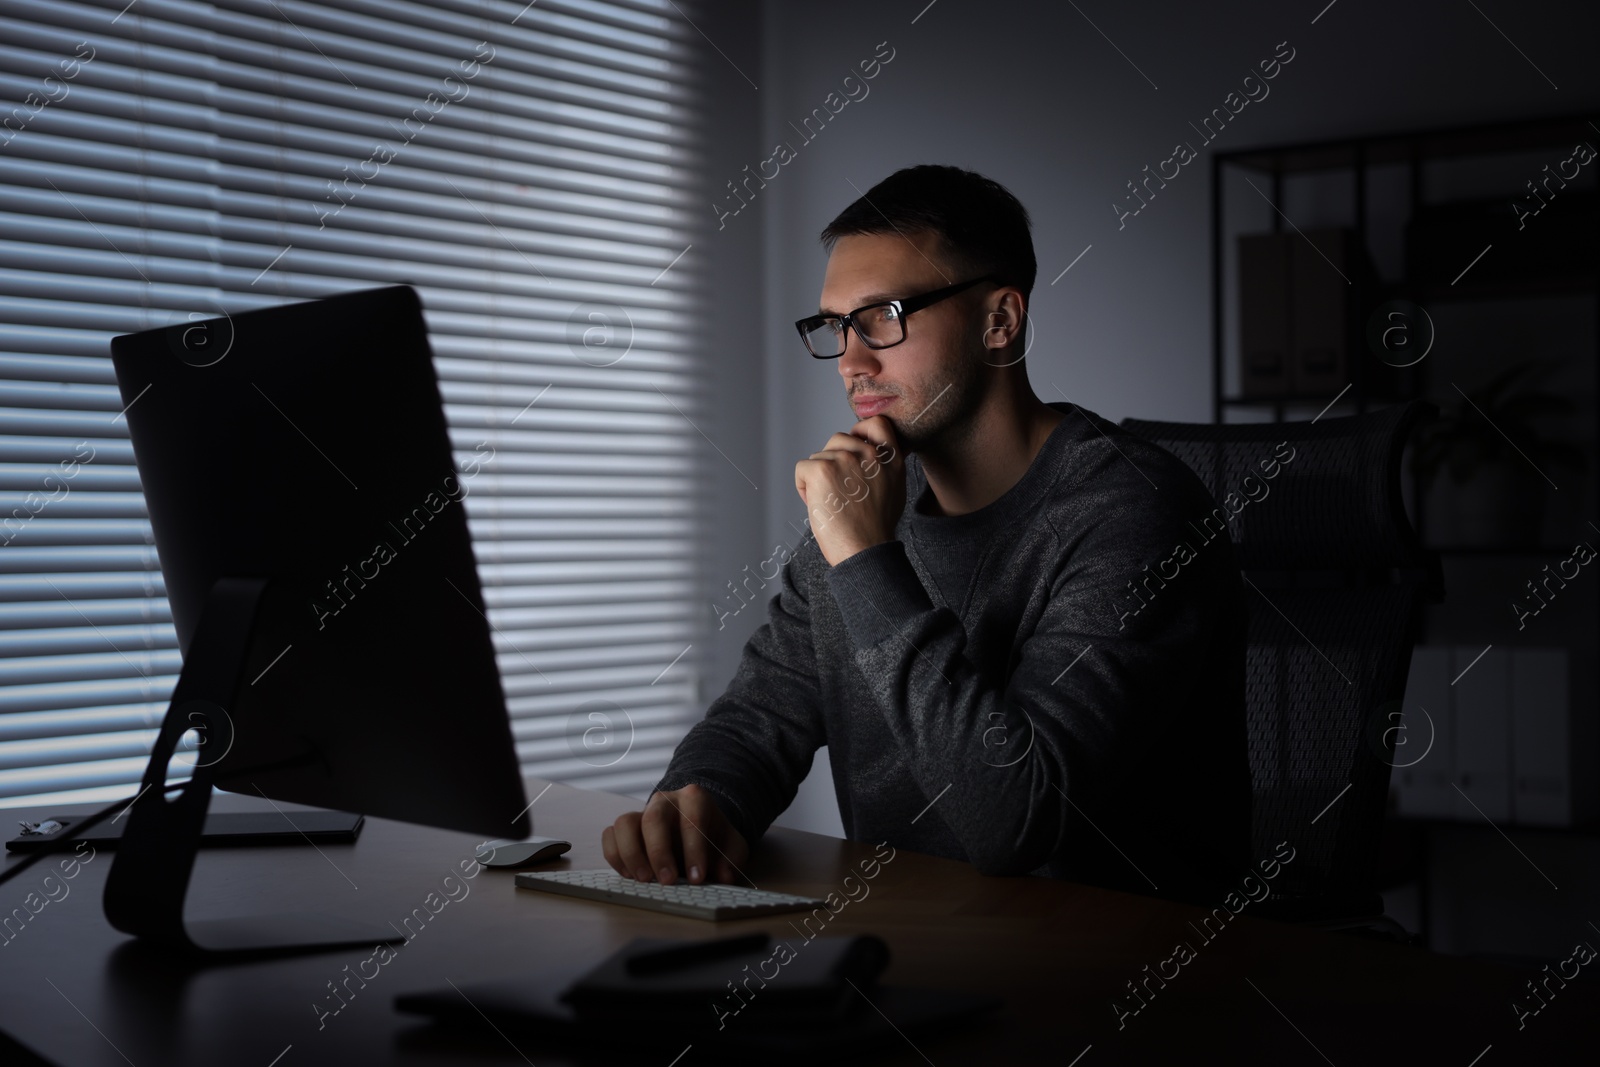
[[944, 714], [756, 742]]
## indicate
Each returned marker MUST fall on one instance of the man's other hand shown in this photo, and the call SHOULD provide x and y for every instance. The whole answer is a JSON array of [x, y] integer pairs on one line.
[[680, 834], [854, 489]]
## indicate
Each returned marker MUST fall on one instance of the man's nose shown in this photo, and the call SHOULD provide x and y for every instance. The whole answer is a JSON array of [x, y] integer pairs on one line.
[[858, 359]]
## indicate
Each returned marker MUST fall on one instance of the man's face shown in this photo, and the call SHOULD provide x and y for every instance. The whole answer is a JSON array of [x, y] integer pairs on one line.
[[936, 375]]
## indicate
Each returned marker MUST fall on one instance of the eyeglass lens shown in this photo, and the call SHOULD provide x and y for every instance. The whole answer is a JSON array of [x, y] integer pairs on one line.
[[879, 326]]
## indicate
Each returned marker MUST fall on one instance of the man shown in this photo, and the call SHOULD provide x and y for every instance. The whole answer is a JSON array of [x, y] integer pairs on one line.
[[977, 629]]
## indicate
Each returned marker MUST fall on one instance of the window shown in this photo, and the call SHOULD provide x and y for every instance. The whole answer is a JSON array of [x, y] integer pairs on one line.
[[527, 169]]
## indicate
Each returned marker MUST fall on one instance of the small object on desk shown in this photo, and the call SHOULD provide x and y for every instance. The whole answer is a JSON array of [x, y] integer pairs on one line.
[[707, 901], [530, 853], [816, 988], [827, 1004], [688, 954], [222, 829]]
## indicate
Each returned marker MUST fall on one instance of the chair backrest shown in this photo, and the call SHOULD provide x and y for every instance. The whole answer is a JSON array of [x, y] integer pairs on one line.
[[1336, 579]]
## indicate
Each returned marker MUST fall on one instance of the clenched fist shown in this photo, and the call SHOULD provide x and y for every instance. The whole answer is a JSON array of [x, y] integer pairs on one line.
[[854, 489]]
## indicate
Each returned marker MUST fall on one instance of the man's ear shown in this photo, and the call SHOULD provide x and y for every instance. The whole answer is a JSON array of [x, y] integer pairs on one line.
[[1004, 318], [994, 334]]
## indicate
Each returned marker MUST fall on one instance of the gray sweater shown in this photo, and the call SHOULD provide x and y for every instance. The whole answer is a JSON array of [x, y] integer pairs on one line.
[[1048, 685]]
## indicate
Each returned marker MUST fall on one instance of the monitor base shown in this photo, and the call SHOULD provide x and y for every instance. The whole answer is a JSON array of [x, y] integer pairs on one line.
[[149, 879]]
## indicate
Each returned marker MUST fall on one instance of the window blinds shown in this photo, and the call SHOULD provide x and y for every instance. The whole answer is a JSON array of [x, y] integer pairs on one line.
[[526, 167]]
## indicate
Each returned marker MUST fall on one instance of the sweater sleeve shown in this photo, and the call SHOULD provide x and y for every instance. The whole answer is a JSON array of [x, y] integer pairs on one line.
[[757, 741], [1011, 761]]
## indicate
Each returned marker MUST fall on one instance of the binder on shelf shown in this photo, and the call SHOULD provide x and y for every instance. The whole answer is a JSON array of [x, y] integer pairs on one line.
[[1541, 765], [1264, 339], [1424, 750], [1321, 280], [1483, 733], [1298, 314]]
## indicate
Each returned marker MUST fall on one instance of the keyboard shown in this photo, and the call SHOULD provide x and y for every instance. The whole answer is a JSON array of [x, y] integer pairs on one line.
[[707, 901]]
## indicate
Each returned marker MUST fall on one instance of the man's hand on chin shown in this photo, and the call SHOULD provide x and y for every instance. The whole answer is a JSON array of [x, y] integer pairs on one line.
[[854, 489]]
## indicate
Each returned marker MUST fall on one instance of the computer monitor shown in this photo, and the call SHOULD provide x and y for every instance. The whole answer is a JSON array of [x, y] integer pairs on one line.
[[310, 523]]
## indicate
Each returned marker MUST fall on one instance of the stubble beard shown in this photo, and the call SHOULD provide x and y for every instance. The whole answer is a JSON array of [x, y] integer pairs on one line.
[[946, 422]]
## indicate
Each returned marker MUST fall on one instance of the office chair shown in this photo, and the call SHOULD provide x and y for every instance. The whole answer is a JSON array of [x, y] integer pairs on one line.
[[1336, 579]]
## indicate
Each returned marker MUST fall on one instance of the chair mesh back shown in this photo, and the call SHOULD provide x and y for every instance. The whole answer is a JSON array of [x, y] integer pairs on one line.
[[1336, 580]]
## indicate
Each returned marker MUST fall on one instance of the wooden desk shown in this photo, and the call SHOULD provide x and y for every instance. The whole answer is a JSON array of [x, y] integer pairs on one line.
[[77, 992]]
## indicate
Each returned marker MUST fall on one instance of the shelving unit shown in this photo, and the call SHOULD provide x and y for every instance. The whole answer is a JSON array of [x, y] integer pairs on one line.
[[1390, 213]]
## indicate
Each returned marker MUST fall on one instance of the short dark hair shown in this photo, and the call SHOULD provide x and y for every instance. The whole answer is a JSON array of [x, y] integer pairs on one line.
[[983, 227]]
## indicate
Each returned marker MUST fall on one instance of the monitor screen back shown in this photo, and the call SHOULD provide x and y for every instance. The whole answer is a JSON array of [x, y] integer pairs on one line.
[[306, 445]]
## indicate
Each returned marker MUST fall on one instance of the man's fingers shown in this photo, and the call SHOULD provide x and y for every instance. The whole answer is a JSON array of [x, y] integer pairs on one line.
[[879, 431], [804, 471], [856, 444], [686, 822], [608, 848], [631, 859], [718, 847], [832, 470], [660, 827], [696, 848]]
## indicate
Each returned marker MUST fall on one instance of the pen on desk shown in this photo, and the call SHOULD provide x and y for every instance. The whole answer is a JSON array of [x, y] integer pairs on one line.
[[677, 956]]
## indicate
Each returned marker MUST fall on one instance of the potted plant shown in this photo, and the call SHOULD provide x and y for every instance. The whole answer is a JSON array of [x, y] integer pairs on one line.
[[1494, 438]]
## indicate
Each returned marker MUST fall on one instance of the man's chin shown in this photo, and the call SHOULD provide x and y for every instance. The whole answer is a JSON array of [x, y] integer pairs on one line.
[[907, 438]]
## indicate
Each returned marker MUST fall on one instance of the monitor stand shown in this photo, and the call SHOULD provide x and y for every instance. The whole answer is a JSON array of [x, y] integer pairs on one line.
[[144, 894]]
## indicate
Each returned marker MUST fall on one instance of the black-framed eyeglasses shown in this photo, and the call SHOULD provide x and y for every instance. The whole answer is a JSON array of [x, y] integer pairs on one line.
[[881, 325]]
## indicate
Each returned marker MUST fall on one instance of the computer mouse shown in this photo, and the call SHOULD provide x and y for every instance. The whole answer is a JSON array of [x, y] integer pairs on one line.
[[529, 853]]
